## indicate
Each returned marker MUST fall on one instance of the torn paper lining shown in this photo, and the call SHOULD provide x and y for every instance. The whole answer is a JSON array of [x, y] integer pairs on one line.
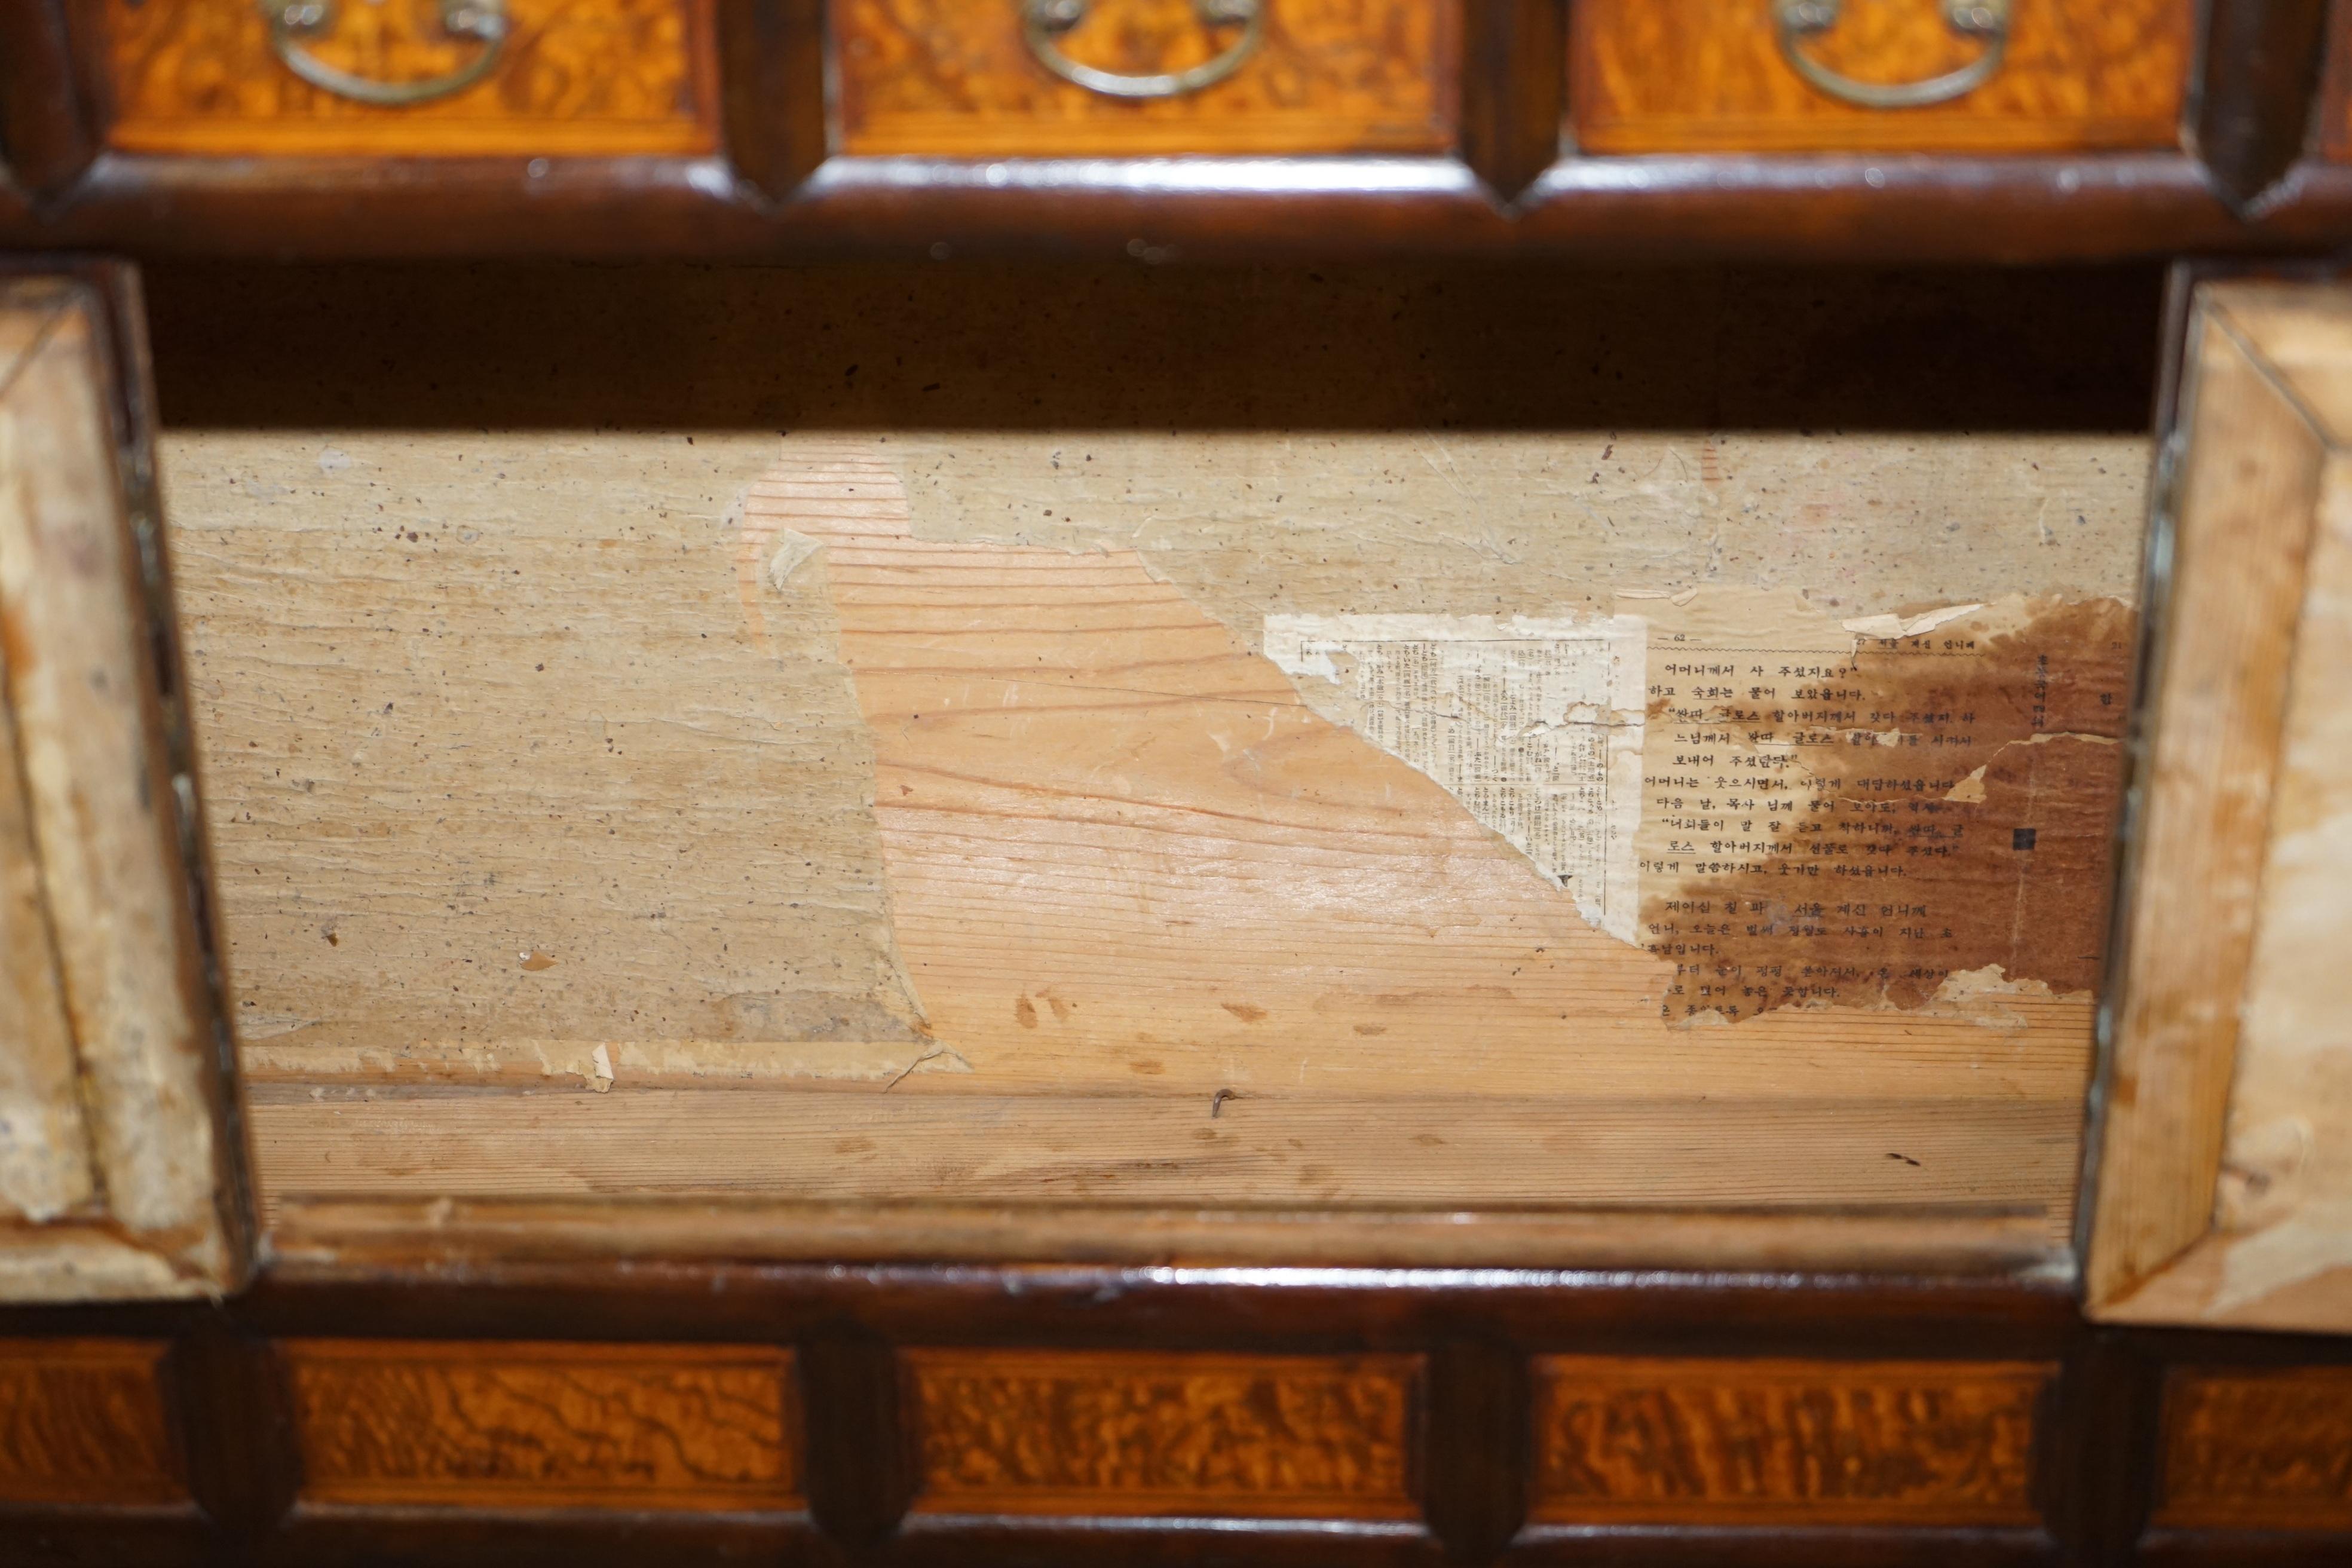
[[1534, 725]]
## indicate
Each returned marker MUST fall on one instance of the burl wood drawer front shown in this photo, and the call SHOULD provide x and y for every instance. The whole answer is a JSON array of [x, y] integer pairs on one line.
[[82, 1422], [1141, 1434], [974, 79], [577, 77], [482, 1425], [2268, 1449], [1659, 76], [1762, 1442]]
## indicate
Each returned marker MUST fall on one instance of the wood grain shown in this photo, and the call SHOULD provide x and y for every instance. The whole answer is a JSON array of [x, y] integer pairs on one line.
[[1686, 76], [698, 880], [1332, 76], [326, 1239], [82, 1422], [517, 1425], [1630, 1441], [2217, 700], [44, 1155], [2257, 1449], [2267, 1140], [1142, 1433], [577, 77], [101, 815]]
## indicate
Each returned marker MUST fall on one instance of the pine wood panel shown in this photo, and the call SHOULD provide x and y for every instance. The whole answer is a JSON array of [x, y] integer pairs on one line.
[[1142, 1434], [82, 1421], [2257, 1449], [1629, 1441], [954, 77], [1659, 76], [683, 963], [575, 77], [486, 1424]]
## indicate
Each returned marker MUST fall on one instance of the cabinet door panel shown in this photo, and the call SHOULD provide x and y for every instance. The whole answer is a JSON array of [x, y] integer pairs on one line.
[[118, 1145], [2227, 1107]]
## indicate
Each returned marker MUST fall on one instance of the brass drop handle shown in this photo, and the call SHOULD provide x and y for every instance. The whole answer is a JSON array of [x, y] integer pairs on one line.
[[1042, 23], [1794, 21], [293, 21]]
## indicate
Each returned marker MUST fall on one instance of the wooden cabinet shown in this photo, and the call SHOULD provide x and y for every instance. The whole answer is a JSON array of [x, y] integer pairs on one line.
[[410, 77], [1877, 74], [1342, 914]]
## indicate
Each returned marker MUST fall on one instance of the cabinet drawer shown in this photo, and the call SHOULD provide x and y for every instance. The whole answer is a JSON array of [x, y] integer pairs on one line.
[[1002, 77], [448, 77], [1654, 76]]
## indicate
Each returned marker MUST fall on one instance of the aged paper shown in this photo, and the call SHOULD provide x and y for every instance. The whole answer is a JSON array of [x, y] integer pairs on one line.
[[1534, 725]]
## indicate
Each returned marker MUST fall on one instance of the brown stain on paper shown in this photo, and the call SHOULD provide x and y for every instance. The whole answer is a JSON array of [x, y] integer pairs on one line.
[[1902, 865]]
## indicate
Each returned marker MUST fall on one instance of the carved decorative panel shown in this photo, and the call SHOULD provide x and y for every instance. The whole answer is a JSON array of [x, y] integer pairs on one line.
[[2268, 1449], [82, 1421], [1019, 1432], [542, 1426], [1621, 1441], [571, 76]]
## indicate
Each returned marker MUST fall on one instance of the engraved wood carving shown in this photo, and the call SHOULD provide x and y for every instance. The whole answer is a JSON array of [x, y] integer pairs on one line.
[[574, 77], [1684, 1441], [2267, 1449], [542, 1426], [1681, 76], [82, 1421], [1332, 76], [1018, 1432]]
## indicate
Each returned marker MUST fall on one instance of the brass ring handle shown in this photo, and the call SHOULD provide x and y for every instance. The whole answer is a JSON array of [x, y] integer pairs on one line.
[[1797, 20], [1043, 22], [293, 21]]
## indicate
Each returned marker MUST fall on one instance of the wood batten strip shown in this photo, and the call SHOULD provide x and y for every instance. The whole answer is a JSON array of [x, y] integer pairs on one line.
[[510, 1424], [317, 1237]]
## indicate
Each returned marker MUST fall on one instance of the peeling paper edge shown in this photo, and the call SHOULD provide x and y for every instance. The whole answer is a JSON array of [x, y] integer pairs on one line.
[[1890, 626]]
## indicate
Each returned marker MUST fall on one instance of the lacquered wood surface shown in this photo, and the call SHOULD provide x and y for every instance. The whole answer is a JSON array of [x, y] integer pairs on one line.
[[542, 1426], [1062, 1433], [1673, 75], [83, 1422], [574, 77], [955, 77], [2267, 1448], [1629, 1441]]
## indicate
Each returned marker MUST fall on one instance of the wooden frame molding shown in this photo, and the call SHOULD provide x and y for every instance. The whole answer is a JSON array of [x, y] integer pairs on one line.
[[2238, 720], [124, 1174]]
